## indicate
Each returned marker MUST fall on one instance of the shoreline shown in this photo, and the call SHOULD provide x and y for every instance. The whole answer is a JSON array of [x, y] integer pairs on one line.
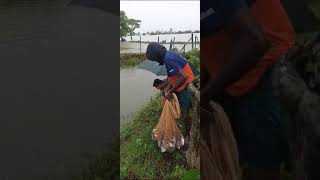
[[131, 59], [140, 155]]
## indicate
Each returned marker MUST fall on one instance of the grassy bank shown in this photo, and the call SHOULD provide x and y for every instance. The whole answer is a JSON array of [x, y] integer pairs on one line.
[[128, 60], [140, 157]]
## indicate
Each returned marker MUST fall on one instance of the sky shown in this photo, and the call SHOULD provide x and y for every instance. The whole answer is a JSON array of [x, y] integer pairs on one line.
[[163, 15]]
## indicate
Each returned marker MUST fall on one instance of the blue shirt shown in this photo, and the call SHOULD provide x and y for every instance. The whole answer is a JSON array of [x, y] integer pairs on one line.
[[174, 62], [215, 14]]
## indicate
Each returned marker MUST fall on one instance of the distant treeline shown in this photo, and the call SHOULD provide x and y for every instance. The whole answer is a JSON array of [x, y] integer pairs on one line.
[[167, 32]]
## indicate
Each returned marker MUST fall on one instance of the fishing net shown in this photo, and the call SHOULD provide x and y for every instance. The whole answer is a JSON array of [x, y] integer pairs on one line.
[[218, 148], [167, 132]]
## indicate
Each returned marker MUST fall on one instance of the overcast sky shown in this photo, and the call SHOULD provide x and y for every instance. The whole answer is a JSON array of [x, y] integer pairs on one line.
[[163, 15]]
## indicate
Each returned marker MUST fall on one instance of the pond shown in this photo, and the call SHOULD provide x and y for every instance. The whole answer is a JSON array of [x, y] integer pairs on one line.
[[131, 47], [55, 109], [135, 91], [134, 47], [164, 37]]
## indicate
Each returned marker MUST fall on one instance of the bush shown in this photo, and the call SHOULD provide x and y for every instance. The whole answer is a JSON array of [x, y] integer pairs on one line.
[[194, 52], [193, 58], [175, 49]]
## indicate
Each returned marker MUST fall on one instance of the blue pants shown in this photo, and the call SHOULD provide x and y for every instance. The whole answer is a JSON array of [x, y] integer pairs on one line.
[[259, 125], [185, 99]]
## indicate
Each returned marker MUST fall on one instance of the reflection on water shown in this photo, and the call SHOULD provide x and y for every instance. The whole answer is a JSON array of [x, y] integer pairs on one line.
[[54, 104], [135, 91]]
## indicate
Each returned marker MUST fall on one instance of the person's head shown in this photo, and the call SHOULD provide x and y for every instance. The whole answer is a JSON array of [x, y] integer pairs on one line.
[[159, 84], [156, 52]]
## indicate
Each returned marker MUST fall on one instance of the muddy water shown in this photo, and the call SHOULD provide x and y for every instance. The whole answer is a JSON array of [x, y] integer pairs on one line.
[[54, 110], [130, 47], [164, 37], [135, 91]]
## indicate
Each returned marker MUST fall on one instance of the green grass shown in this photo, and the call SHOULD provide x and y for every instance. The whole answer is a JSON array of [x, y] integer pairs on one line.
[[129, 60], [140, 156], [193, 57]]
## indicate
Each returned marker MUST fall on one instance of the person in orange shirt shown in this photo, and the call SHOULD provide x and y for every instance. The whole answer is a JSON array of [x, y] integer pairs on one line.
[[179, 77], [240, 42]]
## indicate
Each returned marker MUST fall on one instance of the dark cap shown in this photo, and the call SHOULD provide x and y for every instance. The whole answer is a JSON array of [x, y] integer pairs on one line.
[[156, 52]]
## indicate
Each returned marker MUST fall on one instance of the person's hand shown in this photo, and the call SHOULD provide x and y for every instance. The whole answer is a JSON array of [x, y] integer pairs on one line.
[[169, 96]]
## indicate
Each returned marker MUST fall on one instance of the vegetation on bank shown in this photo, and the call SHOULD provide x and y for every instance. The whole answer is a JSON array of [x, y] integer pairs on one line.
[[140, 156], [193, 58], [128, 60]]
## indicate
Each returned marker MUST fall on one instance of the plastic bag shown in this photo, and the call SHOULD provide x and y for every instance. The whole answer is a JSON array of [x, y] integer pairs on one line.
[[167, 132]]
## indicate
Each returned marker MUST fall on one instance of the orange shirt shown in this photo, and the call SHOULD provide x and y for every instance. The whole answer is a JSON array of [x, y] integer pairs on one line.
[[272, 18], [188, 72]]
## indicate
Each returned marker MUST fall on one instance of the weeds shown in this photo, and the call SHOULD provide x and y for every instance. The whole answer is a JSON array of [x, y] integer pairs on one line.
[[140, 155], [129, 60]]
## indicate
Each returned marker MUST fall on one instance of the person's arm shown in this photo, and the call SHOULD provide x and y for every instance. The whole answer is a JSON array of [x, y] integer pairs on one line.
[[174, 69], [248, 48], [168, 86], [182, 78]]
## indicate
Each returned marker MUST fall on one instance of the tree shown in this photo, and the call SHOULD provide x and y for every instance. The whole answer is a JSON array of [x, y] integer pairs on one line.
[[124, 28], [133, 24], [127, 25]]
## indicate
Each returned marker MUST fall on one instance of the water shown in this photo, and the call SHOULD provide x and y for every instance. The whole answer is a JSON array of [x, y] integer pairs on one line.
[[129, 47], [55, 109], [135, 91], [164, 37]]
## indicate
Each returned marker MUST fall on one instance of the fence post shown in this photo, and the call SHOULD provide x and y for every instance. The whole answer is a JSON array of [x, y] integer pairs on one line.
[[140, 44], [191, 40], [174, 39], [196, 40], [158, 39]]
